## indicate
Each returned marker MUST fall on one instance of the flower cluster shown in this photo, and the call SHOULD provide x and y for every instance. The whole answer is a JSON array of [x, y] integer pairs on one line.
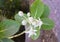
[[32, 22]]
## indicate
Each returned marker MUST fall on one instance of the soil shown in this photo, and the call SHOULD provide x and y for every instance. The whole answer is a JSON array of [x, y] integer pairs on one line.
[[48, 36]]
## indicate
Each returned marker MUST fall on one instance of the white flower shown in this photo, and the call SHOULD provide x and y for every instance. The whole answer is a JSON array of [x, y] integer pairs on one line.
[[30, 19], [28, 14], [31, 32], [39, 22], [20, 13], [34, 23], [24, 22]]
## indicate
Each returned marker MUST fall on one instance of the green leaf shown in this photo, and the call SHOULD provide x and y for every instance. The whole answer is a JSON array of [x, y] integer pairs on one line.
[[37, 8], [46, 12], [34, 37], [6, 40], [8, 28], [19, 18], [48, 24]]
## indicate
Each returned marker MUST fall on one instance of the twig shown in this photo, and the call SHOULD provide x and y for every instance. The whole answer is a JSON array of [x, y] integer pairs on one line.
[[16, 35]]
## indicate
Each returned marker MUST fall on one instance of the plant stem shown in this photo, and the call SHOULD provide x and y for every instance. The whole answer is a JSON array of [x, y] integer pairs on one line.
[[16, 35], [26, 19]]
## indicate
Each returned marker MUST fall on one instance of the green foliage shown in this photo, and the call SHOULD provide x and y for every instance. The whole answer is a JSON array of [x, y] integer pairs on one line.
[[19, 18], [6, 40], [34, 37], [1, 3], [46, 12], [37, 8], [48, 24], [8, 28]]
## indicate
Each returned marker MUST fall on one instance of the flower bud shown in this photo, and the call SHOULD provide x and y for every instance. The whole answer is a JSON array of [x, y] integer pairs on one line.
[[20, 13], [28, 14], [24, 22]]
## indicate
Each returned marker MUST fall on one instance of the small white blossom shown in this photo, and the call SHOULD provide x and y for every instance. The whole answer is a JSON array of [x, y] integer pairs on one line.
[[28, 14], [20, 13], [24, 22], [39, 22], [34, 23], [31, 32], [30, 19]]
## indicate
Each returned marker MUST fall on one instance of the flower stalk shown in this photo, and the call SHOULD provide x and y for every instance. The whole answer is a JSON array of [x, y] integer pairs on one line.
[[17, 35]]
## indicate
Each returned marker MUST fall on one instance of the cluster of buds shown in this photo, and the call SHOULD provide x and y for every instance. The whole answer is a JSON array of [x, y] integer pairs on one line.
[[32, 22]]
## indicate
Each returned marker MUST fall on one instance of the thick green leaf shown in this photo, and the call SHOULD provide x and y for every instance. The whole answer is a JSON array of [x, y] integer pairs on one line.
[[46, 12], [34, 37], [48, 24], [6, 40], [8, 28], [37, 8]]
